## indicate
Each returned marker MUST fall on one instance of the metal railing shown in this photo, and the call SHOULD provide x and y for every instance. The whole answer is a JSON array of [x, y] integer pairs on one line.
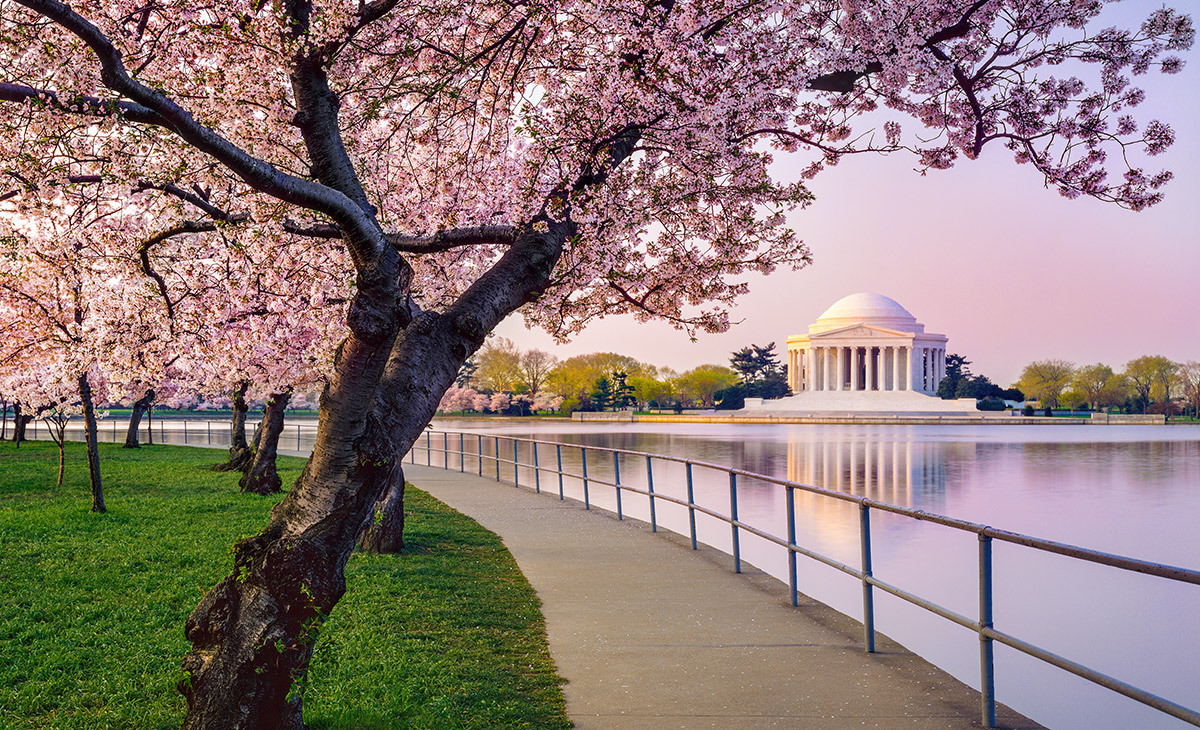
[[173, 431], [983, 625]]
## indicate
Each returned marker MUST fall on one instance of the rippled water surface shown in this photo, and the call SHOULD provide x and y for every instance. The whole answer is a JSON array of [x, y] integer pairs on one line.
[[1132, 490]]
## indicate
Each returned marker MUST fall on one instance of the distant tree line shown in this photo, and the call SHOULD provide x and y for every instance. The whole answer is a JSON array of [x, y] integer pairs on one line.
[[504, 379], [1148, 384]]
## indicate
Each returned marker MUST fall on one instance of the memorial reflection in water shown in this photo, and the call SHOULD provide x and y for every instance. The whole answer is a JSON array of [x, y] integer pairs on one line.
[[912, 474]]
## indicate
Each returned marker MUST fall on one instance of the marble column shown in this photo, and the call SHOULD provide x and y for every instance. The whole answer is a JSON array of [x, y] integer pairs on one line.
[[929, 358], [871, 368], [793, 368], [915, 370]]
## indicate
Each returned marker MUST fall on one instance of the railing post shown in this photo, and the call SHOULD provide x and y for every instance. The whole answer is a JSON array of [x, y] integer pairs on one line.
[[868, 599], [691, 505], [791, 528], [733, 515], [558, 451], [428, 447], [209, 424], [617, 481], [583, 453], [496, 451], [987, 668], [480, 454], [185, 432], [462, 452], [516, 465], [537, 474], [446, 450], [298, 437], [650, 488]]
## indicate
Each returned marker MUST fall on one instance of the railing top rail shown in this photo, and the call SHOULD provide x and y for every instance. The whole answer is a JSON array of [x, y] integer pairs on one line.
[[1170, 572]]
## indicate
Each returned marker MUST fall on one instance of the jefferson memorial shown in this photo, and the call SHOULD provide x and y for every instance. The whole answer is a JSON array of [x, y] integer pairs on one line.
[[865, 353]]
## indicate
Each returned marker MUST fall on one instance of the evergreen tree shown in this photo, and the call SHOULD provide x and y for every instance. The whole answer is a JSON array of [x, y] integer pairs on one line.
[[957, 368], [466, 373], [761, 373], [622, 392], [602, 394]]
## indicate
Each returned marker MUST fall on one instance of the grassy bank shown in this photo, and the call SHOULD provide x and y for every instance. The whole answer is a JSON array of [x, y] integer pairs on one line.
[[448, 634]]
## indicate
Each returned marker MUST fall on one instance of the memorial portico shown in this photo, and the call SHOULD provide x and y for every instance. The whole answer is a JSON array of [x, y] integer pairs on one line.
[[866, 352]]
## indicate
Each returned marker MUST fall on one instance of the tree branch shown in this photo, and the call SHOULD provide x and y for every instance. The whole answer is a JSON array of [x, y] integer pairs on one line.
[[362, 233], [443, 240], [148, 270], [217, 214], [842, 81], [81, 104]]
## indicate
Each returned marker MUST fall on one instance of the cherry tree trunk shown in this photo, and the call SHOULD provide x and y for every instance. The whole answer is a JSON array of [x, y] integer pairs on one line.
[[239, 450], [62, 460], [135, 420], [253, 634], [20, 421], [261, 476], [383, 531], [3, 420], [93, 449]]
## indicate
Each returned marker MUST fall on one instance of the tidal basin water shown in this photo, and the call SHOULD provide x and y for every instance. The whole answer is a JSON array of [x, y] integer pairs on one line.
[[1130, 490]]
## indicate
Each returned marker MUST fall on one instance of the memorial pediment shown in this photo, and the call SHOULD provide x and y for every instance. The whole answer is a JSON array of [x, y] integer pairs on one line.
[[859, 330]]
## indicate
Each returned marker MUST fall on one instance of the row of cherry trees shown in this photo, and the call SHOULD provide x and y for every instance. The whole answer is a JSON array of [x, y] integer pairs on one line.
[[361, 191], [94, 312]]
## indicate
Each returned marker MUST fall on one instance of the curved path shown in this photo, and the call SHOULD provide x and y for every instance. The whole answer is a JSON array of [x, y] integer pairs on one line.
[[651, 634]]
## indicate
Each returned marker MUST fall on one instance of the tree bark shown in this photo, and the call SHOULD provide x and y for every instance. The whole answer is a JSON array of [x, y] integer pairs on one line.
[[135, 420], [62, 461], [56, 425], [383, 531], [3, 419], [261, 476], [20, 421], [239, 450], [93, 449]]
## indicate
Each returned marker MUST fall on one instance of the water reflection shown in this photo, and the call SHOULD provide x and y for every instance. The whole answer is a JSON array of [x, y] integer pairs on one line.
[[898, 472]]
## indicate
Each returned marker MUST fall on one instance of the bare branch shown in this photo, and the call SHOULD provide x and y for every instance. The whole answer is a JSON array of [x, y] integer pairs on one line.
[[203, 204], [148, 269], [443, 240], [80, 104]]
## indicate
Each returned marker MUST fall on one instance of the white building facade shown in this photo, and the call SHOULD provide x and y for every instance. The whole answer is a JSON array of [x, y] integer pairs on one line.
[[866, 353], [866, 342]]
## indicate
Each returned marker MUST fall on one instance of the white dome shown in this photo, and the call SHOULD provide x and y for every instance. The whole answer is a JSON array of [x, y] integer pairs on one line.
[[867, 308]]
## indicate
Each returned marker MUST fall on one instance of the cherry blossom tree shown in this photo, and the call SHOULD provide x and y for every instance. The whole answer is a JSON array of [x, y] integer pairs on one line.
[[48, 356], [570, 159]]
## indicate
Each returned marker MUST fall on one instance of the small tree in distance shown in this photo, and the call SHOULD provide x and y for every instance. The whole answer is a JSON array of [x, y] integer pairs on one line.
[[1045, 380]]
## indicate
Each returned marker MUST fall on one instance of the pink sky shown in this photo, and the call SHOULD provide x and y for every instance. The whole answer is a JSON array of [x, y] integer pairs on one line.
[[1008, 270]]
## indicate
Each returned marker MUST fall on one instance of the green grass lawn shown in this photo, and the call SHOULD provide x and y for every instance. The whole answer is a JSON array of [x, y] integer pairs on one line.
[[446, 635]]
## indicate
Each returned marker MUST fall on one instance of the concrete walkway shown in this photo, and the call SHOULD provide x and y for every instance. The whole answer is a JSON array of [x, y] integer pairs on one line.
[[650, 634]]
